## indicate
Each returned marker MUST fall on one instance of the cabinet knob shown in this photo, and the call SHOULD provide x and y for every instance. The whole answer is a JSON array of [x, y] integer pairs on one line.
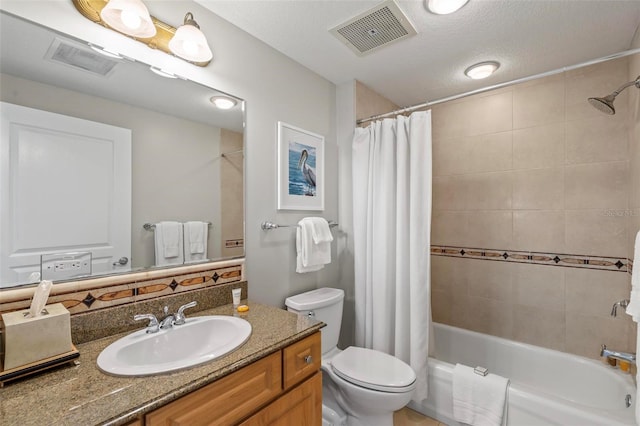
[[308, 359]]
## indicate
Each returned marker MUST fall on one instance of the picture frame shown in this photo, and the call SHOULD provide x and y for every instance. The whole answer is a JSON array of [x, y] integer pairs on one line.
[[300, 169]]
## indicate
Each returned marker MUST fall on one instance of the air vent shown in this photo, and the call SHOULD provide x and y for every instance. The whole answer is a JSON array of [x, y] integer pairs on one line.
[[80, 58], [375, 28]]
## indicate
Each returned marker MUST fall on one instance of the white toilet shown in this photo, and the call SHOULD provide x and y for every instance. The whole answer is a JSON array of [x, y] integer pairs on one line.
[[360, 386]]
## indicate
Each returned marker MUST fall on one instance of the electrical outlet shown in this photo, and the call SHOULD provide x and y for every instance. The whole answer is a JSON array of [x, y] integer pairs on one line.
[[59, 266]]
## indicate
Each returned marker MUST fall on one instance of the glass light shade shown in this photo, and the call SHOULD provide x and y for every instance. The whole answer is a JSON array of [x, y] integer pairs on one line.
[[444, 7], [482, 70], [223, 102], [130, 17], [190, 43]]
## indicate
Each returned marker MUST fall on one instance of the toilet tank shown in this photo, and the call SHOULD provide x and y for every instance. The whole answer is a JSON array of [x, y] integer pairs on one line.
[[324, 304]]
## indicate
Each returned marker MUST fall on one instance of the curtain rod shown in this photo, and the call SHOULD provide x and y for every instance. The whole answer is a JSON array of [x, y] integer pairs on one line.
[[498, 86]]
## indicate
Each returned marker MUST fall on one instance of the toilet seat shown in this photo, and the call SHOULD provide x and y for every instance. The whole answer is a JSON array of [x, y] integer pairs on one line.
[[373, 370]]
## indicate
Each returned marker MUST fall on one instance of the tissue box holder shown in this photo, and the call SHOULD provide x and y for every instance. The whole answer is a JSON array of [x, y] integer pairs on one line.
[[45, 339]]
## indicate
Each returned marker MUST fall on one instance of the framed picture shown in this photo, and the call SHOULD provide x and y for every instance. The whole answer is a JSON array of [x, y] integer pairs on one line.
[[300, 169]]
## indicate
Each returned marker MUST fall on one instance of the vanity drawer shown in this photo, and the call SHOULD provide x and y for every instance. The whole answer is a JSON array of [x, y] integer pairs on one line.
[[301, 359], [225, 401]]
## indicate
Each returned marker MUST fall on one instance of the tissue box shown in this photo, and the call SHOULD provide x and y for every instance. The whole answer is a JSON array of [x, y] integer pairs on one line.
[[28, 340]]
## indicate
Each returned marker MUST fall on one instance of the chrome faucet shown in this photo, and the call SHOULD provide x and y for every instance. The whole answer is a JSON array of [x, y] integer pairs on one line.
[[624, 356], [153, 326], [623, 304], [168, 320], [179, 316]]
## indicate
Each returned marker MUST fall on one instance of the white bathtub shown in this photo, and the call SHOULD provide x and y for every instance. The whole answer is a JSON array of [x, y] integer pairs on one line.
[[547, 387]]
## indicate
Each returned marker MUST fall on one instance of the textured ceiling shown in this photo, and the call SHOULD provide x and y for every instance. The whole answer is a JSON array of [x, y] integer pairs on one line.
[[527, 37]]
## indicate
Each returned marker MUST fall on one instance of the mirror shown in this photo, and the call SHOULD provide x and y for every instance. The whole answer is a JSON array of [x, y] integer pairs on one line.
[[158, 151]]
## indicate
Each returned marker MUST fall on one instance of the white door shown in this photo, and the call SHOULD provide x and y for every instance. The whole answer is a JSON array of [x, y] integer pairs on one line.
[[65, 186]]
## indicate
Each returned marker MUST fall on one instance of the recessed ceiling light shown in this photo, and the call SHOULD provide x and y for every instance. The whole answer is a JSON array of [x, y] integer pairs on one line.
[[444, 7], [223, 102], [482, 70]]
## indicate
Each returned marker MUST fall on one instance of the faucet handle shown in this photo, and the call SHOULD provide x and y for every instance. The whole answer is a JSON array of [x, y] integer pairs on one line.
[[153, 326], [179, 317]]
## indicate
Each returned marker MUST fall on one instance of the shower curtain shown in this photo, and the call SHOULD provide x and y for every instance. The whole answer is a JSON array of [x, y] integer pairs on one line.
[[392, 225]]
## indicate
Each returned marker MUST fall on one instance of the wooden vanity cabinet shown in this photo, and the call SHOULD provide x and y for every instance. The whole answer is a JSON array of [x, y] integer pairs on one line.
[[283, 388]]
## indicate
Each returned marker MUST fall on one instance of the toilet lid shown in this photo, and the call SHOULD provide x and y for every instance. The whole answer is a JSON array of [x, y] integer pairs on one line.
[[373, 370]]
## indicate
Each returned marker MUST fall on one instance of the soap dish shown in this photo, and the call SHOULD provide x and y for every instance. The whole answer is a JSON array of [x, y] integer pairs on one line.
[[7, 376]]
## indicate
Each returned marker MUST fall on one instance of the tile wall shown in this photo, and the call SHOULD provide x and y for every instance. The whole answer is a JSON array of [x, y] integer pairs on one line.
[[532, 170]]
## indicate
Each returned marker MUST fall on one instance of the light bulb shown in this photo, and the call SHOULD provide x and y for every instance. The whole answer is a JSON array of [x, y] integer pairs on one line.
[[130, 19]]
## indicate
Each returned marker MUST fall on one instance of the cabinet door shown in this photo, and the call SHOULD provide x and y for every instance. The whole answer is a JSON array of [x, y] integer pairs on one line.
[[227, 400], [301, 406], [301, 360]]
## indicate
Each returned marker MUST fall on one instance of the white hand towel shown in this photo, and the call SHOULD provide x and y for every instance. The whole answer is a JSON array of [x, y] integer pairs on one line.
[[310, 256], [478, 400], [634, 308], [169, 243], [320, 230], [195, 241]]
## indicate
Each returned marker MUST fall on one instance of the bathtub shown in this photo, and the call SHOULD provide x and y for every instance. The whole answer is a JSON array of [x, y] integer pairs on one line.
[[547, 387]]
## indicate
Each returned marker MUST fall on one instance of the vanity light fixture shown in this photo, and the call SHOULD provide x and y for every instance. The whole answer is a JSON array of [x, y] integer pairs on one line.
[[189, 42], [482, 70], [130, 17], [445, 7], [223, 102]]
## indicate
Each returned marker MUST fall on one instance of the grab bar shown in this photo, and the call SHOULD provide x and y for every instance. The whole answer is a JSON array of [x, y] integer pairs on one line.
[[266, 226]]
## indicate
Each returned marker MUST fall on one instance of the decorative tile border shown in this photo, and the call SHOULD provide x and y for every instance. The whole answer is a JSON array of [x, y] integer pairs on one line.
[[80, 297], [538, 258]]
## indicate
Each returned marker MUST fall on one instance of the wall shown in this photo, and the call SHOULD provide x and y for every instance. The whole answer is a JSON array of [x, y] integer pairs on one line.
[[275, 88], [530, 212], [156, 196], [232, 193], [634, 157]]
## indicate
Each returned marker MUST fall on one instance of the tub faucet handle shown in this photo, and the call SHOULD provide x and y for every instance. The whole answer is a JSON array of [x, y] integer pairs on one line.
[[623, 303]]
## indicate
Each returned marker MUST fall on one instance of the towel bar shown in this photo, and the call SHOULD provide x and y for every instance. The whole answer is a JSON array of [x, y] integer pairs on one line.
[[150, 226], [266, 226]]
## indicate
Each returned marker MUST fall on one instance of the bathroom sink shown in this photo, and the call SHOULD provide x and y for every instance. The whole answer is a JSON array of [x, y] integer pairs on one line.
[[198, 340]]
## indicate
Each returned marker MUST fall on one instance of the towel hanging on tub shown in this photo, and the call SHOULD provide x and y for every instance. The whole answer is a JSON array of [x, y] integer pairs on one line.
[[479, 400]]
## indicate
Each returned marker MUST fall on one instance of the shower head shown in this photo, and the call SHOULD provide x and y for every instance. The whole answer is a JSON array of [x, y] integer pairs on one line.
[[605, 104]]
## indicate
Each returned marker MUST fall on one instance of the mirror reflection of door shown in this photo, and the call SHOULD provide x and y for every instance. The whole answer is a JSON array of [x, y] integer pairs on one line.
[[53, 205]]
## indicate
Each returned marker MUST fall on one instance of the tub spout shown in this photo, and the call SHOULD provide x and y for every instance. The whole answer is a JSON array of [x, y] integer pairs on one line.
[[624, 356], [623, 303]]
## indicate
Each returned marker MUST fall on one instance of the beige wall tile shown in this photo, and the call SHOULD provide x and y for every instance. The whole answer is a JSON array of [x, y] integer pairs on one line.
[[597, 139], [593, 292], [539, 147], [597, 186], [450, 192], [370, 103], [593, 232], [449, 274], [585, 334], [538, 189], [538, 104], [539, 286], [473, 116], [441, 306], [539, 230], [490, 280], [471, 154], [489, 229], [489, 191], [539, 327], [449, 228], [490, 316]]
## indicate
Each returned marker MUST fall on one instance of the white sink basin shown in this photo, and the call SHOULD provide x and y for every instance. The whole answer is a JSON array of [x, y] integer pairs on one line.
[[199, 340]]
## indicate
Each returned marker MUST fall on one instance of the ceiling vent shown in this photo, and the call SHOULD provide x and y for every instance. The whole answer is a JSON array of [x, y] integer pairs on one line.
[[68, 54], [375, 28]]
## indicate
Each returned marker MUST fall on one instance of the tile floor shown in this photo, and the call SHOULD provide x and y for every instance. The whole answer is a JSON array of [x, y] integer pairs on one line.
[[408, 417]]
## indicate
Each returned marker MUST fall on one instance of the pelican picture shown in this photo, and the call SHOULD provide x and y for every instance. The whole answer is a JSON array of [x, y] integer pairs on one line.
[[302, 169]]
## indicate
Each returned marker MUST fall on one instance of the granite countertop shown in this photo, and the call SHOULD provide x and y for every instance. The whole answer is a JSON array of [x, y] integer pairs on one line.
[[83, 395]]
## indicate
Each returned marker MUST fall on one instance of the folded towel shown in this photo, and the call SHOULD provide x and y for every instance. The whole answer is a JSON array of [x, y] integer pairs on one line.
[[195, 241], [478, 400], [634, 308], [168, 243], [320, 230], [311, 256]]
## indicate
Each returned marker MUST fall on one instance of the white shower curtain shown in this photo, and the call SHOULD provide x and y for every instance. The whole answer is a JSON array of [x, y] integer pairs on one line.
[[392, 226]]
